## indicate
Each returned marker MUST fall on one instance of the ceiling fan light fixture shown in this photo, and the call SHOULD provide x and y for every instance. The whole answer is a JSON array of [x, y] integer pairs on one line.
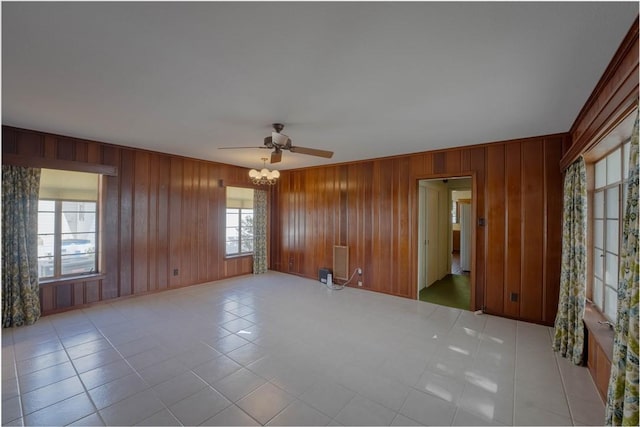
[[264, 176]]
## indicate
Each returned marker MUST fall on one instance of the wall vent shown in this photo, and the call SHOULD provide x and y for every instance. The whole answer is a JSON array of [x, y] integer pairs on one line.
[[341, 262]]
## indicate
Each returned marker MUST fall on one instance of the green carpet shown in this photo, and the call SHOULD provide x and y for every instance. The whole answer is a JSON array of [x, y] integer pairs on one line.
[[454, 290]]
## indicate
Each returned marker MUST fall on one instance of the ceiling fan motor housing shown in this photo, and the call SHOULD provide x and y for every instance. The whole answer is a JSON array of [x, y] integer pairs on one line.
[[280, 140]]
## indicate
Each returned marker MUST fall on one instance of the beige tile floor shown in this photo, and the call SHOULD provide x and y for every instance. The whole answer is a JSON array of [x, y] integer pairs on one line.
[[276, 349]]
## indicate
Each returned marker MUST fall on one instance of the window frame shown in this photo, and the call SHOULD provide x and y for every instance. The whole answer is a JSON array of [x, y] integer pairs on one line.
[[591, 194], [240, 228], [57, 240], [240, 212]]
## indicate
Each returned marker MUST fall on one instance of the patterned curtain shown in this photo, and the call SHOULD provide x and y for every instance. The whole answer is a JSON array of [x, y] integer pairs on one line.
[[622, 397], [259, 231], [569, 329], [20, 289]]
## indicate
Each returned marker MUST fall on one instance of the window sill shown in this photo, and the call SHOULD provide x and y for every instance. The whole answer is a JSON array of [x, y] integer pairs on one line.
[[602, 334], [227, 257], [71, 279]]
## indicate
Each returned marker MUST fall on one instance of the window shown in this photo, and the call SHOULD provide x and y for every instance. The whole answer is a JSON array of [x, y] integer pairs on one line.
[[239, 221], [609, 199], [454, 211], [67, 224]]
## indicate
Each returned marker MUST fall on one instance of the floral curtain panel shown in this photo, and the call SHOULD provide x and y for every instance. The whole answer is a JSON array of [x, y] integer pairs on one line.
[[622, 396], [259, 231], [20, 289], [569, 329]]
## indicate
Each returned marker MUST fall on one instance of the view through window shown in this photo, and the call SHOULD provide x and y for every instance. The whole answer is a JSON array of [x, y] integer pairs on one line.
[[67, 224], [239, 221], [609, 199]]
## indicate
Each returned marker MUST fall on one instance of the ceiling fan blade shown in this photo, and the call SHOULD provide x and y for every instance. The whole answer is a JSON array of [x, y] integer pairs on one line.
[[312, 152], [236, 148], [276, 156]]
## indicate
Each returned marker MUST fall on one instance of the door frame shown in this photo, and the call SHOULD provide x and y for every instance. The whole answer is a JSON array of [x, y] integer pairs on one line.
[[425, 268], [415, 238]]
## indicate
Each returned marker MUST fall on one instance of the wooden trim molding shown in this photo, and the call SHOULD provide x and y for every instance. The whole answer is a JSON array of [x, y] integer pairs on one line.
[[68, 280], [69, 165], [440, 153]]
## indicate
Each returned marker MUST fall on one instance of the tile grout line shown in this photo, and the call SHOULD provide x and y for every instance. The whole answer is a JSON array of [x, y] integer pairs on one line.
[[515, 375], [562, 380], [564, 388], [15, 371]]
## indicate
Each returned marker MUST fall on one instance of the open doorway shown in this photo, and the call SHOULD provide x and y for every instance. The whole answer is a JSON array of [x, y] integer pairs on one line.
[[445, 241]]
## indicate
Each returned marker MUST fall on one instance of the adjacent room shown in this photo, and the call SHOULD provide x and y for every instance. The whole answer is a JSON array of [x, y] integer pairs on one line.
[[319, 213], [444, 252]]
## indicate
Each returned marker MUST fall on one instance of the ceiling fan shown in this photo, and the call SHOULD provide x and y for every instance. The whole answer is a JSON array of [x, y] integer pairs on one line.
[[279, 142]]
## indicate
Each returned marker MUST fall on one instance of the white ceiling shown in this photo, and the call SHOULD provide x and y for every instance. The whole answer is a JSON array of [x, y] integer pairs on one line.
[[365, 80]]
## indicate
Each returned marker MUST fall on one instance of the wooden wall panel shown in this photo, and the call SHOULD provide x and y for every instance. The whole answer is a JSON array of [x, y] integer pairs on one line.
[[92, 291], [189, 234], [9, 140], [516, 193], [453, 161], [50, 147], [63, 296], [203, 224], [533, 218], [404, 253], [477, 165], [80, 151], [141, 219], [30, 144], [175, 222], [47, 304], [495, 229], [94, 152], [514, 229], [78, 290], [126, 221], [110, 233], [160, 213], [553, 229], [381, 225], [152, 223], [65, 149]]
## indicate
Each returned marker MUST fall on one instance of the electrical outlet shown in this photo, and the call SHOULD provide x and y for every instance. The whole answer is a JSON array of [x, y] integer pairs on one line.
[[359, 282], [175, 271]]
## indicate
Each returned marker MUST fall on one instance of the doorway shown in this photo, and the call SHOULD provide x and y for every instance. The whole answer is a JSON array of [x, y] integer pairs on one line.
[[445, 241]]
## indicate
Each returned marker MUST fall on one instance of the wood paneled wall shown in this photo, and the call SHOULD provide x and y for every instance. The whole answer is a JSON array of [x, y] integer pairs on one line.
[[371, 207], [161, 213]]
